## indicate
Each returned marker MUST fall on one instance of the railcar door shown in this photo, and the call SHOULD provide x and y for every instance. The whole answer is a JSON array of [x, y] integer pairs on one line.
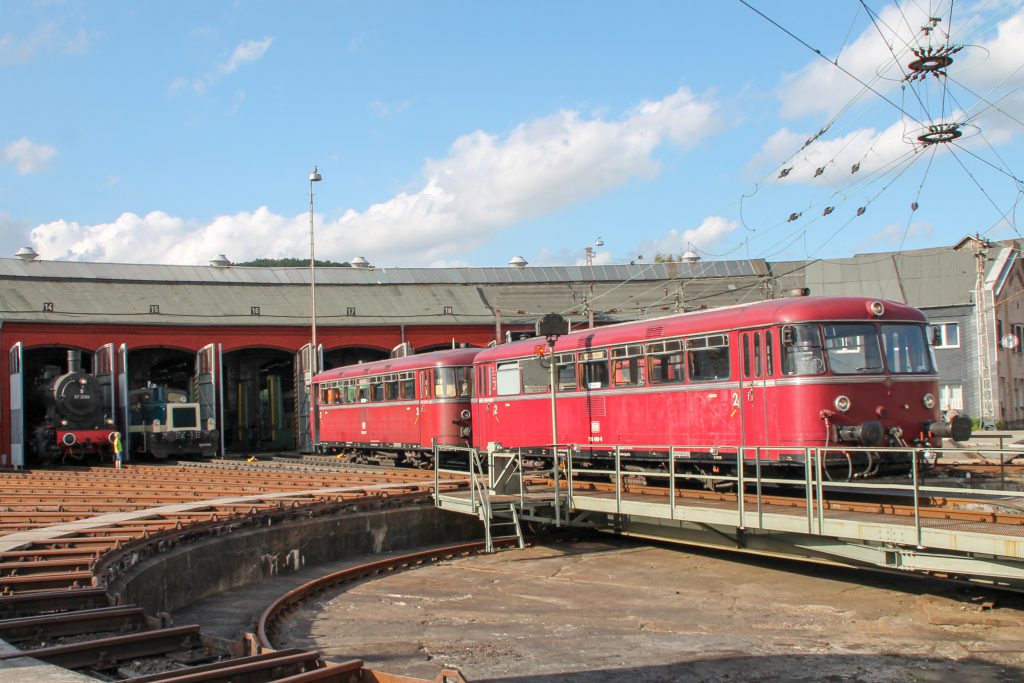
[[17, 407], [423, 412], [103, 371], [757, 363], [206, 383]]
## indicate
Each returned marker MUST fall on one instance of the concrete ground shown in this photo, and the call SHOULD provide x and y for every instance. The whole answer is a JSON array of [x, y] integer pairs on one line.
[[603, 610]]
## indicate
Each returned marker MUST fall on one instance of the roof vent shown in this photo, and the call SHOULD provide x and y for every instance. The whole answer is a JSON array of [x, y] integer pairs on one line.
[[26, 254], [518, 262], [799, 291], [360, 262], [690, 256], [220, 261]]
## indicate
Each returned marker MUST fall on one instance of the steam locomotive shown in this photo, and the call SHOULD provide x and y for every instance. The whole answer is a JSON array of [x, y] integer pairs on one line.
[[77, 421]]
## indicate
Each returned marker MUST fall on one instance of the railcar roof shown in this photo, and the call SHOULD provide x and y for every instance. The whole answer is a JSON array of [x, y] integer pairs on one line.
[[774, 311], [448, 357]]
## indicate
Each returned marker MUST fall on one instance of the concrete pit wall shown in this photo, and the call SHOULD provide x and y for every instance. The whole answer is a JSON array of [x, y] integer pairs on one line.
[[188, 573]]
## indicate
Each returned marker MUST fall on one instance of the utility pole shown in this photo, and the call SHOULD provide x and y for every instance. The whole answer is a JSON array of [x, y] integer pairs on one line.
[[984, 307]]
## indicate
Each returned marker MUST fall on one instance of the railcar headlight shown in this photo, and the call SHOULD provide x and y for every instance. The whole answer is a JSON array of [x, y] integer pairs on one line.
[[63, 423], [156, 422], [109, 421], [210, 424], [876, 308], [842, 403], [929, 401], [465, 414]]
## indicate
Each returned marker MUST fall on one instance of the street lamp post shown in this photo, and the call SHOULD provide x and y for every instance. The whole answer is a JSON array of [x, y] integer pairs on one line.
[[311, 398], [314, 177]]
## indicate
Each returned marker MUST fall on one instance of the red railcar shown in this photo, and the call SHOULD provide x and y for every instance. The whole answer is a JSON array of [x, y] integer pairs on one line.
[[792, 373], [394, 410]]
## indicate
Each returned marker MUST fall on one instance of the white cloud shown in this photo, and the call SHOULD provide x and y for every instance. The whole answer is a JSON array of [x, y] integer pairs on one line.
[[484, 185], [709, 235], [867, 148], [28, 157], [897, 234], [390, 108], [245, 52], [49, 39]]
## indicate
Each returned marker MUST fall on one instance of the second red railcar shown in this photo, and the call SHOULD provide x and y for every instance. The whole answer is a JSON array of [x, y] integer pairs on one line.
[[394, 410]]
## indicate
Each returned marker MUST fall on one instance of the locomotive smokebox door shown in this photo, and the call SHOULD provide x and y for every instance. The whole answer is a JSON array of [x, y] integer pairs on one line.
[[552, 325]]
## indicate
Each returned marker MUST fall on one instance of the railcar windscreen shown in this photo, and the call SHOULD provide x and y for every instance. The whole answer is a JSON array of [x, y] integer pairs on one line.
[[801, 350], [906, 349], [453, 382], [853, 349]]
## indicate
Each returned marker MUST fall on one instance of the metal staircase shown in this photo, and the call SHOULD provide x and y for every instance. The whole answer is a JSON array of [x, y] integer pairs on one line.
[[495, 494]]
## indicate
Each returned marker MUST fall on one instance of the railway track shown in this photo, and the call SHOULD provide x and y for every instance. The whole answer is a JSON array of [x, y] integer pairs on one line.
[[67, 535]]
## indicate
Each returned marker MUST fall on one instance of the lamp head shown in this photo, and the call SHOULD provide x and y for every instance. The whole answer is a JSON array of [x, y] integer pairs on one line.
[[315, 177]]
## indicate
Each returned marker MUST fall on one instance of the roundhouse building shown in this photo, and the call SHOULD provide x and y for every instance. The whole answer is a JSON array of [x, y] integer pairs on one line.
[[236, 339]]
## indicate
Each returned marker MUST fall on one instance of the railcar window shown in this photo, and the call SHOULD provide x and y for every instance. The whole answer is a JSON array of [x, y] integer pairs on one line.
[[363, 392], [708, 358], [757, 354], [391, 388], [906, 349], [746, 355], [377, 394], [594, 369], [350, 393], [408, 386], [536, 375], [801, 350], [853, 349], [769, 354], [666, 368], [595, 374], [566, 371], [508, 378], [626, 372]]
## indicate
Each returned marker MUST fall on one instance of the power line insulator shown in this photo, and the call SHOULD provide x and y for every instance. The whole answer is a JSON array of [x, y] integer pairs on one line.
[[913, 206], [861, 210], [828, 210], [785, 172], [819, 171], [793, 216], [855, 167]]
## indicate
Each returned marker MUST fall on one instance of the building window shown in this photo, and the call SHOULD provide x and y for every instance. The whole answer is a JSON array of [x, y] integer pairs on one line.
[[945, 335], [951, 397]]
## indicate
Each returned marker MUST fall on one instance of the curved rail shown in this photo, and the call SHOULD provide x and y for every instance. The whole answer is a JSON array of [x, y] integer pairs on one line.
[[274, 614]]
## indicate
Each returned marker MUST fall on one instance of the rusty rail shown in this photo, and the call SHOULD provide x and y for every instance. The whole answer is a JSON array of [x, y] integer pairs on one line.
[[276, 612]]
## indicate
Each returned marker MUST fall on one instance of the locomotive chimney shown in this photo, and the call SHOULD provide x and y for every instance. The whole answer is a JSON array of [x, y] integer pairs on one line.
[[74, 360]]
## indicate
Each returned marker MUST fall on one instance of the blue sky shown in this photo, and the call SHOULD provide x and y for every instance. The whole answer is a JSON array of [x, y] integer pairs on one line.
[[466, 133]]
